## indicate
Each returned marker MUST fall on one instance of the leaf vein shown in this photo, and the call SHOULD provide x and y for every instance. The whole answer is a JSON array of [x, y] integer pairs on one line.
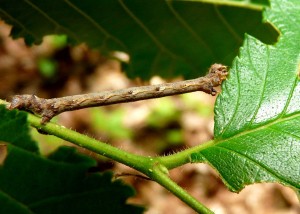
[[258, 164], [266, 125], [98, 26], [289, 98], [227, 25], [284, 132], [17, 22], [189, 29], [237, 101], [147, 31], [263, 85], [56, 24]]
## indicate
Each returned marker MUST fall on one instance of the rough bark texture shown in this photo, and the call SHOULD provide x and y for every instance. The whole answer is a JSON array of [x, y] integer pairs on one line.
[[48, 108]]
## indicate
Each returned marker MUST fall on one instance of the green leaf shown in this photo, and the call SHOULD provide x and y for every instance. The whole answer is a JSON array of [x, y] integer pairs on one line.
[[14, 129], [262, 2], [257, 134], [61, 183], [162, 37]]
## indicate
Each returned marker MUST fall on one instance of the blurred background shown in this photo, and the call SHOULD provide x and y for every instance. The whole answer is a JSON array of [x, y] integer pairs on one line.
[[152, 127]]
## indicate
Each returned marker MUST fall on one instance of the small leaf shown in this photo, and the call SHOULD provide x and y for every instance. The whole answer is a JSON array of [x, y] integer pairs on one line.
[[61, 183], [257, 135], [166, 38]]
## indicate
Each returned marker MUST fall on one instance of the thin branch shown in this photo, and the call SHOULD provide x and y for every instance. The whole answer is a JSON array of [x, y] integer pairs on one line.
[[48, 108]]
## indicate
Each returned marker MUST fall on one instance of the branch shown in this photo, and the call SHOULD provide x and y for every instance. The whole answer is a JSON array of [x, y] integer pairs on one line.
[[48, 108]]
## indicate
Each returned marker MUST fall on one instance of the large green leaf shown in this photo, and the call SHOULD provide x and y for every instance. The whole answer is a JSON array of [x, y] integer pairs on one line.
[[257, 134], [61, 183], [162, 37]]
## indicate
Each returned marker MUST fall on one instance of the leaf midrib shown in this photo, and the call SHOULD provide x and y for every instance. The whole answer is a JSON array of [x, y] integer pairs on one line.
[[267, 125], [261, 166], [217, 143]]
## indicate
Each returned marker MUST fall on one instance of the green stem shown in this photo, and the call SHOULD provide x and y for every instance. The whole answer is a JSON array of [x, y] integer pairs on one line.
[[154, 167], [183, 157], [137, 162], [146, 165], [163, 179]]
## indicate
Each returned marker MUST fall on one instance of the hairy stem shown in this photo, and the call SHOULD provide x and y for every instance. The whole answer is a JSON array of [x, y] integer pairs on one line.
[[183, 157], [163, 179], [156, 168]]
